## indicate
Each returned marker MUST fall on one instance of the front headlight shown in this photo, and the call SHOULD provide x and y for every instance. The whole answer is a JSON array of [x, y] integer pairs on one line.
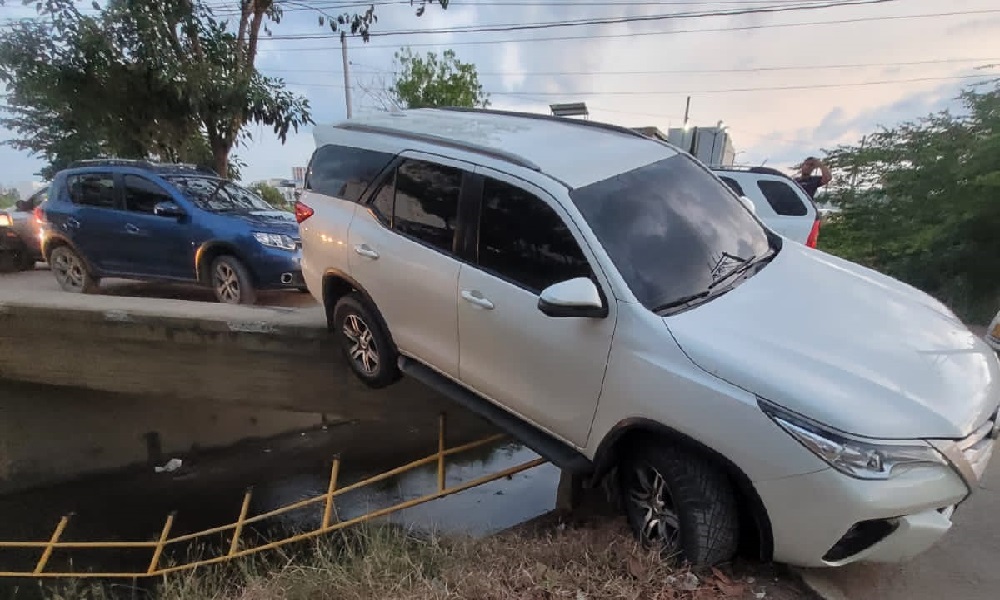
[[863, 459], [275, 240]]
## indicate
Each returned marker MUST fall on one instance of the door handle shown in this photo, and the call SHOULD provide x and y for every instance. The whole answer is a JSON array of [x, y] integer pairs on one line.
[[476, 297], [130, 228], [366, 251]]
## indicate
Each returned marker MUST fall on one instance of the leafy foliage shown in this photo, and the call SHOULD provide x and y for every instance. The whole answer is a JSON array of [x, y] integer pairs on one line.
[[270, 194], [9, 197], [921, 202], [162, 79], [427, 81]]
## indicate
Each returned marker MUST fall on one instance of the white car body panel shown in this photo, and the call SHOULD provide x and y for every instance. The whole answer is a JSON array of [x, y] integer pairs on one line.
[[795, 227], [827, 341], [834, 342]]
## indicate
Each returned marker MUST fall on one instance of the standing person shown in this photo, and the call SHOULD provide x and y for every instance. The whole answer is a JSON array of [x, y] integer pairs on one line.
[[809, 182]]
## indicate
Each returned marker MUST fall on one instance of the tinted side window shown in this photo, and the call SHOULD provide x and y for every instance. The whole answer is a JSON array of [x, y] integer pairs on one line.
[[344, 172], [141, 194], [783, 198], [382, 203], [736, 187], [426, 205], [522, 239], [92, 189]]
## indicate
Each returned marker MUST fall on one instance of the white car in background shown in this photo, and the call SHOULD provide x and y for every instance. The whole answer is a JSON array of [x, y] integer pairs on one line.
[[779, 202], [605, 298]]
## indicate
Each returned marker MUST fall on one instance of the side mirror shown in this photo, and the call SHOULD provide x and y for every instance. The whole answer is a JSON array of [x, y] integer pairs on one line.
[[577, 297], [747, 202], [168, 208]]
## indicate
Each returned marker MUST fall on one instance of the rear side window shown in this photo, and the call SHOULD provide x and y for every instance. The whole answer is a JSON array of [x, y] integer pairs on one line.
[[142, 195], [344, 172], [733, 185], [92, 189], [523, 240], [783, 198], [426, 204]]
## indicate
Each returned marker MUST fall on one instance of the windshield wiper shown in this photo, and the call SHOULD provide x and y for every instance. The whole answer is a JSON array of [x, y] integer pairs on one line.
[[740, 269], [682, 301]]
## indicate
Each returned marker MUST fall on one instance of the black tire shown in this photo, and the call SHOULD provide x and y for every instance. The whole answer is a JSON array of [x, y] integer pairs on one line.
[[231, 282], [371, 356], [71, 271], [699, 520]]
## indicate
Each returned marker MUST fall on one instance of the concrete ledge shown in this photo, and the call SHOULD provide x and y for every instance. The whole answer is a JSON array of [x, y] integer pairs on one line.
[[174, 350]]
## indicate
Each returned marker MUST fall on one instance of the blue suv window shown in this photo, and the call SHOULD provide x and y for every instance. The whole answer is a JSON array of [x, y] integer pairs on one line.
[[141, 194], [218, 195], [92, 189]]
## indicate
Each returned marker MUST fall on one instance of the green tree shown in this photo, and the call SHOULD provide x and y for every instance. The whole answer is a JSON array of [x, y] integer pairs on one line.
[[9, 197], [142, 78], [270, 194], [921, 202], [428, 81]]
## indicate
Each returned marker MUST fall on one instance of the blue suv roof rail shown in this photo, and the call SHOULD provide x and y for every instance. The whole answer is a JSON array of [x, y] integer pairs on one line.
[[140, 164]]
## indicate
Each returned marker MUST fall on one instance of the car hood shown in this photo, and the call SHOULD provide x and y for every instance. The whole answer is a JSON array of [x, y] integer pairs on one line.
[[845, 346], [271, 221]]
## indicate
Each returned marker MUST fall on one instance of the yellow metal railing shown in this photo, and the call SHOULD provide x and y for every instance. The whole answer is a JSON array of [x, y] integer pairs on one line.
[[326, 525]]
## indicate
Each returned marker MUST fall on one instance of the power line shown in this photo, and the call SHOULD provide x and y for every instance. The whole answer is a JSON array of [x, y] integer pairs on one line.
[[650, 33], [506, 27], [708, 91], [371, 70]]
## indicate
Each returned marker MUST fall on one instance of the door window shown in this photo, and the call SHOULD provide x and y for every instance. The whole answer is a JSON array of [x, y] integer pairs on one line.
[[141, 194], [733, 185], [426, 203], [523, 240], [343, 172], [782, 198], [92, 189]]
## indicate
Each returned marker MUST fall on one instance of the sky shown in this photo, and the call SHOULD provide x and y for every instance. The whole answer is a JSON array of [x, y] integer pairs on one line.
[[787, 85]]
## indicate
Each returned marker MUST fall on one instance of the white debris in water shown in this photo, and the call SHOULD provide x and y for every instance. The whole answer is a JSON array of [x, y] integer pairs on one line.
[[172, 465]]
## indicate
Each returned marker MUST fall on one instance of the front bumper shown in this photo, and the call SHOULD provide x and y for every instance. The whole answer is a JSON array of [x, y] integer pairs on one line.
[[828, 519], [278, 269]]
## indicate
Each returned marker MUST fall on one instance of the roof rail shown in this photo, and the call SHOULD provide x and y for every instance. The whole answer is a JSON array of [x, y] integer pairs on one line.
[[441, 141], [544, 117], [758, 170], [139, 164]]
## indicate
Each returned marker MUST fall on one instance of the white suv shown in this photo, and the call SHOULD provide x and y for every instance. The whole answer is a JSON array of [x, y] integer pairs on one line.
[[611, 302], [778, 200]]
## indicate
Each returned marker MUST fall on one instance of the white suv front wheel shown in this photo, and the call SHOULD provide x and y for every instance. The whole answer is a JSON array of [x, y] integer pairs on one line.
[[679, 503]]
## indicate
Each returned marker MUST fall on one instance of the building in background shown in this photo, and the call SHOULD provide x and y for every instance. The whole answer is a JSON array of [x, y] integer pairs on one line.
[[711, 145]]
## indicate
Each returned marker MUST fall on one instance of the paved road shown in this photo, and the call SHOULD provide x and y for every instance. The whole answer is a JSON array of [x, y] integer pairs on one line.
[[965, 565]]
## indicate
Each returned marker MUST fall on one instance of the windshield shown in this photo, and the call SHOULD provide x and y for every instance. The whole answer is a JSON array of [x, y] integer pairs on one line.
[[218, 195], [672, 230]]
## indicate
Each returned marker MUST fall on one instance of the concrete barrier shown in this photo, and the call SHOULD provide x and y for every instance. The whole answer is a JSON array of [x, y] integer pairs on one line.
[[170, 350]]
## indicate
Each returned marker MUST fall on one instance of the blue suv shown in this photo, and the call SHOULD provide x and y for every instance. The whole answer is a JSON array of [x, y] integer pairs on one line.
[[148, 221]]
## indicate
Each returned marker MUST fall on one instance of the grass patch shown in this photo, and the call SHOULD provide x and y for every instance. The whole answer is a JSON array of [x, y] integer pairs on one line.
[[593, 561]]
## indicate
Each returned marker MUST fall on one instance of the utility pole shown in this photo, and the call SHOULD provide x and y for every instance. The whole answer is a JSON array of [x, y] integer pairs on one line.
[[687, 111], [347, 75]]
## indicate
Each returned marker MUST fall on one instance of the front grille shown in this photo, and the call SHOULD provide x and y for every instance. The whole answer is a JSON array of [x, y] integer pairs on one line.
[[861, 536]]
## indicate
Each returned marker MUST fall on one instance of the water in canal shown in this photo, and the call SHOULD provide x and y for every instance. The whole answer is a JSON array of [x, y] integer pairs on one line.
[[208, 490]]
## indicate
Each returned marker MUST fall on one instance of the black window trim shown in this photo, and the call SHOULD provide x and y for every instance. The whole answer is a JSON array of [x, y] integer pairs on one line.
[[571, 225], [459, 243], [116, 190], [120, 184]]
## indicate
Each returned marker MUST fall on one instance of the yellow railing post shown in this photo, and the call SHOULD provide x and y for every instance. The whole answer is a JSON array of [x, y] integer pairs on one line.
[[331, 488], [234, 544], [47, 553], [441, 449], [159, 545]]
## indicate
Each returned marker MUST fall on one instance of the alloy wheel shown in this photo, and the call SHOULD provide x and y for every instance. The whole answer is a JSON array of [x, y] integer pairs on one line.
[[69, 270], [227, 283], [651, 500], [361, 344]]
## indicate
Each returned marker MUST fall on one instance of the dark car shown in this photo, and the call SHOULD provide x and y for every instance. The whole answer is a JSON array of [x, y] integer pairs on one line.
[[20, 248], [167, 222]]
